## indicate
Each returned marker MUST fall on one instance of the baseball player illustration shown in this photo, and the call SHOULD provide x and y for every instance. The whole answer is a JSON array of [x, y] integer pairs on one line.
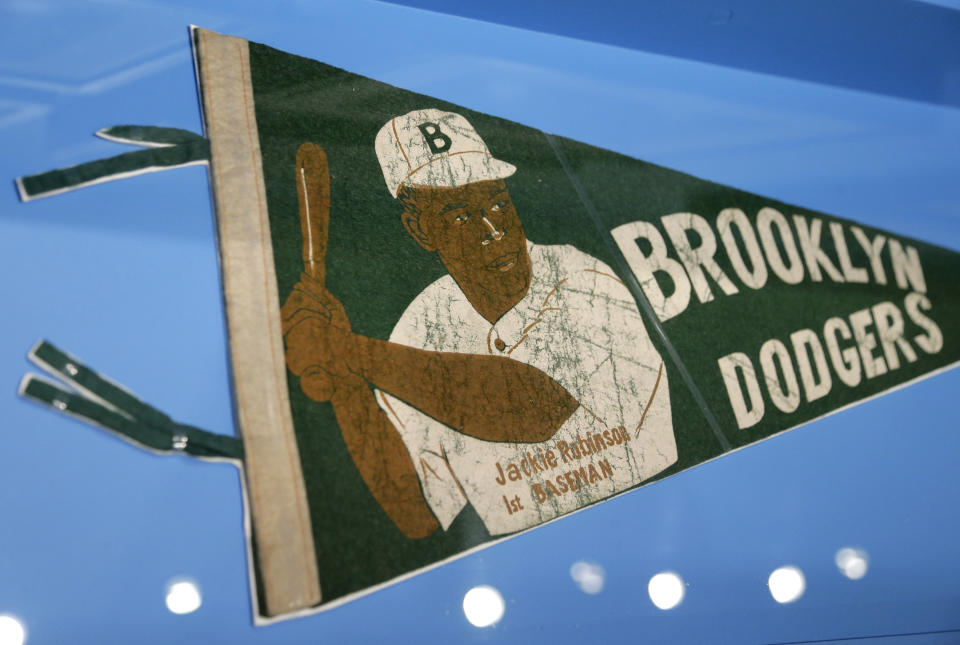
[[523, 382]]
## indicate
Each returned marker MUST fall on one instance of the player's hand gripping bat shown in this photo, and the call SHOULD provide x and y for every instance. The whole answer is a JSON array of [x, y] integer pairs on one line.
[[313, 194]]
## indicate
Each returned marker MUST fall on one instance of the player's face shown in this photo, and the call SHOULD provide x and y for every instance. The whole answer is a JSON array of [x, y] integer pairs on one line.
[[478, 236]]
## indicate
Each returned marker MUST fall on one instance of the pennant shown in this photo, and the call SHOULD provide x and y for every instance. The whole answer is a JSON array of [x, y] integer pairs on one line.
[[447, 328]]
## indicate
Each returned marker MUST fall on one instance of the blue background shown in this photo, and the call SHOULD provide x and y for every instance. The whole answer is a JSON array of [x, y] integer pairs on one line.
[[845, 107]]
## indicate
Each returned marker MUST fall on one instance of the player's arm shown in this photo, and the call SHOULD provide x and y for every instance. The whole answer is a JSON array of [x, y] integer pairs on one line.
[[372, 441], [381, 457], [489, 397]]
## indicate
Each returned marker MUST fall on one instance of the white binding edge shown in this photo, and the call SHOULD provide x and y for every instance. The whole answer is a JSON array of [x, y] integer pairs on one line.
[[102, 133], [21, 191], [195, 57]]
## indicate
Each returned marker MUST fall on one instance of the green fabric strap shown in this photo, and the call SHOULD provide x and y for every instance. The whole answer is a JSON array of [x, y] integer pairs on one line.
[[165, 148], [106, 404], [149, 135]]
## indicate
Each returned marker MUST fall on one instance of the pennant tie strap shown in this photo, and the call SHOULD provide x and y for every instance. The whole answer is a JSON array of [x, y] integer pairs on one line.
[[101, 402], [164, 148]]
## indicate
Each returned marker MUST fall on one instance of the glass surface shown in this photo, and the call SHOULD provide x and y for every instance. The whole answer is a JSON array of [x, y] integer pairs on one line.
[[101, 542]]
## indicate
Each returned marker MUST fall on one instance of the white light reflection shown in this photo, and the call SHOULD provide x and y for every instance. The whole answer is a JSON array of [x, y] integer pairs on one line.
[[666, 590], [588, 576], [11, 631], [786, 584], [483, 606], [852, 562], [183, 597]]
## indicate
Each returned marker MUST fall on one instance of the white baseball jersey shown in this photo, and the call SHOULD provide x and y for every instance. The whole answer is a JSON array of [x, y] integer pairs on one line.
[[580, 325]]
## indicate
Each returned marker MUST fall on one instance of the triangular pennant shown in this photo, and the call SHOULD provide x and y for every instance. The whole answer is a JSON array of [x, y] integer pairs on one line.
[[447, 328]]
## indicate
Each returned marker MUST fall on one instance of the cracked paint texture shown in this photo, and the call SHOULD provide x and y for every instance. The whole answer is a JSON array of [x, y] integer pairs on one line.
[[579, 324]]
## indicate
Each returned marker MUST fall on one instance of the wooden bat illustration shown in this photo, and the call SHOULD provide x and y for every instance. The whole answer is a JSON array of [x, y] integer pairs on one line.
[[313, 194]]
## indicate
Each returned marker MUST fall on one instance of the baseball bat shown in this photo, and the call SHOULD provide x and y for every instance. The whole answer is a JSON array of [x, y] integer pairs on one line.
[[313, 183], [313, 195]]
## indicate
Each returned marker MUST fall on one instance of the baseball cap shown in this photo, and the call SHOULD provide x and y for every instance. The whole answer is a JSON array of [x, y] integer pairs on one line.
[[435, 148]]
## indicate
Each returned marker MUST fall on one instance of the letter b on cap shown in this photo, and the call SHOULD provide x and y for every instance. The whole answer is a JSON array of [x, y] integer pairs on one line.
[[436, 140]]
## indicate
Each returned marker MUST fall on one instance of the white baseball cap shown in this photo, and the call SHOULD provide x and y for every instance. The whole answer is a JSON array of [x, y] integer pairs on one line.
[[435, 148]]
